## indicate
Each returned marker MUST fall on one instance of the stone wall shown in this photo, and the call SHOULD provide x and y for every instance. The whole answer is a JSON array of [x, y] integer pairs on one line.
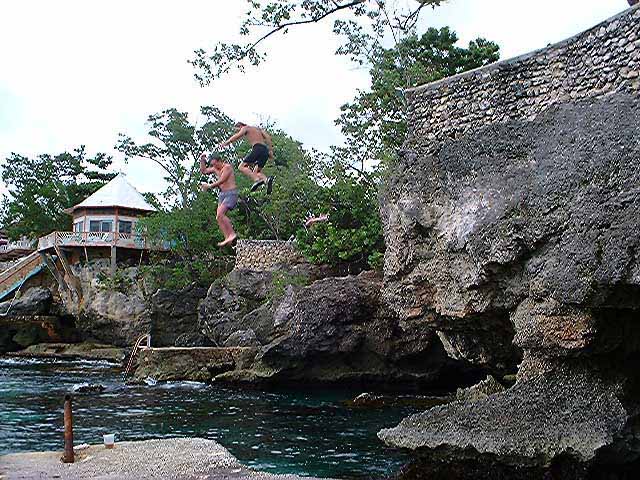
[[601, 60], [265, 255]]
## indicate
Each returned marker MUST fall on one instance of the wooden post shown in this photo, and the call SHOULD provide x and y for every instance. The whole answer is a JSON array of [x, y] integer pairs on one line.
[[113, 260], [68, 431]]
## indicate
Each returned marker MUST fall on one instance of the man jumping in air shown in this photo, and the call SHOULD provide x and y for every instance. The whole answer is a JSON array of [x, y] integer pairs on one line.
[[228, 195], [261, 151]]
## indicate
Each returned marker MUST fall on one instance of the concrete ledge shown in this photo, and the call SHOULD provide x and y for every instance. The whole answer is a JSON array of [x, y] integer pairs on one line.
[[174, 458], [199, 364]]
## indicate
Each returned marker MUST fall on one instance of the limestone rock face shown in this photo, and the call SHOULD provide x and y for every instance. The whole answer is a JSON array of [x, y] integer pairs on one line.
[[173, 314], [482, 390], [32, 319], [511, 225], [337, 331], [331, 330], [230, 306], [19, 332], [109, 316], [35, 301], [246, 300]]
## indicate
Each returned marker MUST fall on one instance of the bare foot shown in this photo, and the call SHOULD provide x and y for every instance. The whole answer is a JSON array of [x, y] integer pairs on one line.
[[228, 241]]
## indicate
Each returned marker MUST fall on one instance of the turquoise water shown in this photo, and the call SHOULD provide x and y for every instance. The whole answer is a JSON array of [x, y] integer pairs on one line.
[[310, 433]]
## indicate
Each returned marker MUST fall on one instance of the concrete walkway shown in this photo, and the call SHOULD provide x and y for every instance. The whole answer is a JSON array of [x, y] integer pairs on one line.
[[183, 458]]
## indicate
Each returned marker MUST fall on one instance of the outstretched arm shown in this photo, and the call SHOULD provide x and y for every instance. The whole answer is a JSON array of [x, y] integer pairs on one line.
[[234, 138]]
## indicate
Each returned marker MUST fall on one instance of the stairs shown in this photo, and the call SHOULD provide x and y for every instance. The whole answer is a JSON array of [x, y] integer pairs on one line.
[[12, 278]]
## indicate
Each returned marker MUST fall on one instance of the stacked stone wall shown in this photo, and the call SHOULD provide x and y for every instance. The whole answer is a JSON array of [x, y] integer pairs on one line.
[[599, 61], [265, 255]]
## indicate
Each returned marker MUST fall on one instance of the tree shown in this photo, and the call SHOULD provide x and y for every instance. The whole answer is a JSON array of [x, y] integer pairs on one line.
[[176, 148], [264, 20], [374, 122], [41, 188], [352, 235], [192, 234]]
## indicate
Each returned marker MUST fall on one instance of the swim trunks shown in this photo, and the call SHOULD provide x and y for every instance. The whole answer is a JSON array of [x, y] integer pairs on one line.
[[259, 155], [229, 199]]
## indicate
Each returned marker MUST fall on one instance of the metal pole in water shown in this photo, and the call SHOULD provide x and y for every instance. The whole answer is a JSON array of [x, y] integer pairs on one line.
[[68, 431]]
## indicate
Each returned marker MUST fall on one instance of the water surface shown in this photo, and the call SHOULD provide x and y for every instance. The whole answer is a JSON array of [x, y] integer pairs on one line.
[[310, 433]]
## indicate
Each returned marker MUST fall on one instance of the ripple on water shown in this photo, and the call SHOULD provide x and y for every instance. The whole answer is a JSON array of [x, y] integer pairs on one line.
[[281, 432]]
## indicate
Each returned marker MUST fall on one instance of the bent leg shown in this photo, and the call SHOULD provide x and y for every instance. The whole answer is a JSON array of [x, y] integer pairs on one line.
[[246, 169], [257, 172]]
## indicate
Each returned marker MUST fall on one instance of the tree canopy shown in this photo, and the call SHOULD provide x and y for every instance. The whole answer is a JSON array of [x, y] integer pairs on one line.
[[263, 20], [374, 123], [41, 188]]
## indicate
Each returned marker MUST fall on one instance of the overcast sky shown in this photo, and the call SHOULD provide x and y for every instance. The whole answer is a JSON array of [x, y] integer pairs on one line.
[[76, 72]]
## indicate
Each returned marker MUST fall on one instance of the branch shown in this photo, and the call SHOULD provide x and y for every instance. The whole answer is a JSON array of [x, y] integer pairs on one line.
[[286, 25]]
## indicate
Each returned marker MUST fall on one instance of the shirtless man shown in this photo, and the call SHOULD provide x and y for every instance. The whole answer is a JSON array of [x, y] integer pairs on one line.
[[261, 151], [228, 195]]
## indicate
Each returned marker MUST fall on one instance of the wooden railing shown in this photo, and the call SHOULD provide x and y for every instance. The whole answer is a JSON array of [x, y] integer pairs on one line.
[[19, 270], [98, 239], [19, 245]]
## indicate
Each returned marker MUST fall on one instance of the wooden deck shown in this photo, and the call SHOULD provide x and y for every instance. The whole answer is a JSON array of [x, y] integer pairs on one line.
[[98, 239], [16, 250]]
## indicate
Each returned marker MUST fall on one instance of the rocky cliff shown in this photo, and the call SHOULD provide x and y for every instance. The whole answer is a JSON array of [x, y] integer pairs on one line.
[[310, 328], [117, 310], [511, 225], [31, 319]]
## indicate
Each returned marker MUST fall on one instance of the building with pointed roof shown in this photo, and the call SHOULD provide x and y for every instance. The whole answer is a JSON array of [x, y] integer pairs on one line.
[[116, 207], [104, 225]]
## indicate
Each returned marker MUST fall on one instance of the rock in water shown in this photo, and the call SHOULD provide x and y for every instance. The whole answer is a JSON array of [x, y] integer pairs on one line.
[[337, 331], [511, 223], [88, 388]]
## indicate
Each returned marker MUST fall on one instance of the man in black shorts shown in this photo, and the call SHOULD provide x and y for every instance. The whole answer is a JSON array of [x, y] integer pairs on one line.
[[261, 151]]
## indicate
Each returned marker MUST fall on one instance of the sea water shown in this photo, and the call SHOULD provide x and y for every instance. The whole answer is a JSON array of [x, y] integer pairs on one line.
[[308, 433]]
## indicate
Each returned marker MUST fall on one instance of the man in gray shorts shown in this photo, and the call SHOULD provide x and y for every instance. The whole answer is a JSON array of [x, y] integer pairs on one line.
[[228, 195]]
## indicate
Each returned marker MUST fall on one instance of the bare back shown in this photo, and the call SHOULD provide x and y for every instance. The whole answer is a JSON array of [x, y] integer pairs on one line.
[[256, 135]]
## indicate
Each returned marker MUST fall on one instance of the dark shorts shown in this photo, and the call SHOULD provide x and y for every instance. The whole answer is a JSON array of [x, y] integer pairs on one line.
[[258, 156], [229, 199]]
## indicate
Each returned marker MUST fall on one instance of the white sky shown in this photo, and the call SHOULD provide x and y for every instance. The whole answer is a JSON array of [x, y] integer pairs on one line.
[[78, 72]]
